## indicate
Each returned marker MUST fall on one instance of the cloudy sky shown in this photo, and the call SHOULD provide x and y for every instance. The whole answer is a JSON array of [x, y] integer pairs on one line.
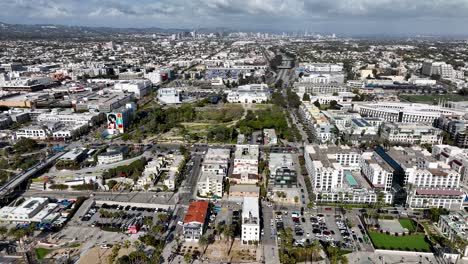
[[340, 16]]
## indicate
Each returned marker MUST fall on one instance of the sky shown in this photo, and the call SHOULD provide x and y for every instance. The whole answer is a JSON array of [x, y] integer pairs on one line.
[[434, 17]]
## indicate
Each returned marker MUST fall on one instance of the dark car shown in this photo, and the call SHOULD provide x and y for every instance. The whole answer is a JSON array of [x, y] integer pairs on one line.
[[360, 240], [303, 220]]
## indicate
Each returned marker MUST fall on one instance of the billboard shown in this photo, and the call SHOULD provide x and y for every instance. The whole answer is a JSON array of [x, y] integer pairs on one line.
[[115, 122]]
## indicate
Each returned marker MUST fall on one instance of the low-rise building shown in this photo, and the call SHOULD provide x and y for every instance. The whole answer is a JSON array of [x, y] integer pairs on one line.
[[112, 155], [194, 221], [252, 93], [269, 137], [169, 96]]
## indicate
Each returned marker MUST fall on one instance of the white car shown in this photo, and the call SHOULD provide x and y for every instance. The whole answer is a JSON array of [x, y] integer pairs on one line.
[[308, 234], [180, 223]]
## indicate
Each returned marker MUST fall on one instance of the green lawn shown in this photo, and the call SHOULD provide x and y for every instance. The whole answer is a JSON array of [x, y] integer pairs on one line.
[[408, 242], [433, 98], [407, 223], [42, 252]]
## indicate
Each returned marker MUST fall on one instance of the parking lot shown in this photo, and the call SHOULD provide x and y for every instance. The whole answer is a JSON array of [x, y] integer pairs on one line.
[[119, 218], [306, 227]]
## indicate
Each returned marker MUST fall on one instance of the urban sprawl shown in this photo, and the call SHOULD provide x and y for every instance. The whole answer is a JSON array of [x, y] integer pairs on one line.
[[194, 147]]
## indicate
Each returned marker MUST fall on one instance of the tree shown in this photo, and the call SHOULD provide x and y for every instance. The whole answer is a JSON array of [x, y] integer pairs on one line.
[[306, 97], [333, 104], [317, 104], [188, 258], [296, 199], [24, 145], [3, 231]]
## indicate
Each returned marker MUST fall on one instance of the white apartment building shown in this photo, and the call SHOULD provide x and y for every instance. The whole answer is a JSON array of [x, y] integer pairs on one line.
[[249, 94], [250, 220], [173, 171], [245, 164], [210, 184], [326, 165], [377, 171], [411, 133], [422, 170], [430, 183], [455, 157], [217, 160], [455, 227], [214, 170]]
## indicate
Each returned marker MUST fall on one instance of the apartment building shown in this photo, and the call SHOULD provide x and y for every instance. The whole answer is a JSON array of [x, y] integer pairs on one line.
[[250, 221], [245, 164], [429, 182], [194, 220], [455, 157], [455, 227], [213, 173], [404, 133]]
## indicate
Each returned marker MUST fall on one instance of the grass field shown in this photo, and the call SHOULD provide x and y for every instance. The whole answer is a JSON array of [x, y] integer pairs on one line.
[[433, 98], [42, 252], [408, 242], [408, 224]]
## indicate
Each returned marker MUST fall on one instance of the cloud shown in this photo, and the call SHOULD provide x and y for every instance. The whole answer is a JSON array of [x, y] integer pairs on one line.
[[246, 14]]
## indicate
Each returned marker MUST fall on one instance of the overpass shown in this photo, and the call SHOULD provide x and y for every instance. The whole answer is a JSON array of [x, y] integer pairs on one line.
[[9, 188]]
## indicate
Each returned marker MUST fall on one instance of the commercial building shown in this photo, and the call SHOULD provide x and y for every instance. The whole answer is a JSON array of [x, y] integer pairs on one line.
[[405, 112], [243, 190], [169, 96], [112, 155], [250, 221], [194, 221], [25, 212], [101, 101], [319, 88], [249, 94], [245, 164], [139, 87], [404, 133]]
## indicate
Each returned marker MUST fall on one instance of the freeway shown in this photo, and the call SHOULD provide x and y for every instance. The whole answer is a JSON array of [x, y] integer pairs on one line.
[[23, 176]]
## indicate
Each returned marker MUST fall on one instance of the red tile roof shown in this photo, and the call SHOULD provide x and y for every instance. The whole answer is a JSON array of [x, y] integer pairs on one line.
[[196, 212]]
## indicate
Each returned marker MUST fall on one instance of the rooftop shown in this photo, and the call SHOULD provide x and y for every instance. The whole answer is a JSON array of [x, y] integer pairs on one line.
[[196, 212]]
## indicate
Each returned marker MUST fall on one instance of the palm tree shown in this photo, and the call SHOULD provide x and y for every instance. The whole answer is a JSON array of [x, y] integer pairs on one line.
[[3, 231], [203, 242]]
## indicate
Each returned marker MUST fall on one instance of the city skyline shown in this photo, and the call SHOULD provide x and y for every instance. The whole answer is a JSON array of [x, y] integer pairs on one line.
[[357, 17]]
